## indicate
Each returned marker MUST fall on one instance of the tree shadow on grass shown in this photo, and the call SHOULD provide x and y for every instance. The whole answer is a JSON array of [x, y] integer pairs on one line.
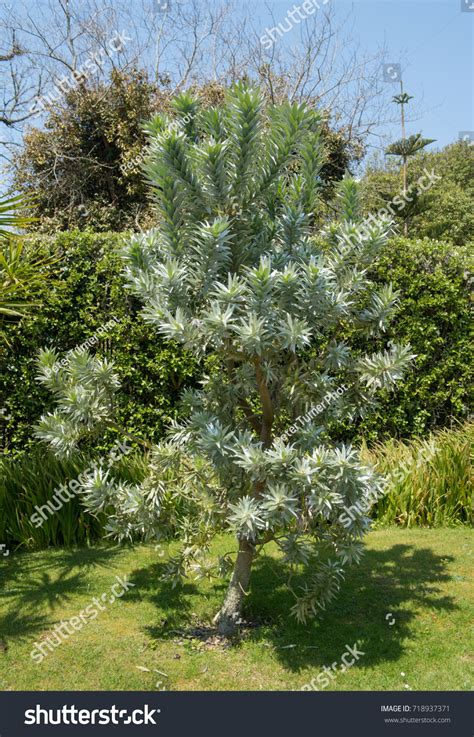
[[388, 586], [175, 603], [26, 580]]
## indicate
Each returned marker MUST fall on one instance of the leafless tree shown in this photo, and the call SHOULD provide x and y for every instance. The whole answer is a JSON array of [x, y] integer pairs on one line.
[[189, 43], [19, 90]]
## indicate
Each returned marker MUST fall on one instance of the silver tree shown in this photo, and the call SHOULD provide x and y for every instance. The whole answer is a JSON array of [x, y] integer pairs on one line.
[[235, 275]]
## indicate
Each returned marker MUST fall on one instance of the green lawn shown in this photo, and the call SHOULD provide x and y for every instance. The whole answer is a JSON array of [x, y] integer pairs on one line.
[[418, 577]]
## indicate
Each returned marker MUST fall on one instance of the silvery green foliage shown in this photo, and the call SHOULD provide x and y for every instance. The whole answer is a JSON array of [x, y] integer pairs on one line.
[[84, 388], [234, 272]]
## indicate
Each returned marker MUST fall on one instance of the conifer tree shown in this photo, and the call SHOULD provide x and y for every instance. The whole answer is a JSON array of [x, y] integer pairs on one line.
[[405, 148]]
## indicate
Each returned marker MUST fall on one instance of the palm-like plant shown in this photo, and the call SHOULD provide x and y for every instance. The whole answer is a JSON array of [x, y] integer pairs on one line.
[[21, 274]]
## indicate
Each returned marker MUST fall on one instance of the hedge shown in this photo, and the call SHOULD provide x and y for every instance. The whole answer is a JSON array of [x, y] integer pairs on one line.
[[85, 291], [434, 317]]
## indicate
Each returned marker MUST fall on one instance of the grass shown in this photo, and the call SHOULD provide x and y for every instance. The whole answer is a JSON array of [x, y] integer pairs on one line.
[[427, 489], [30, 480], [430, 479], [417, 577]]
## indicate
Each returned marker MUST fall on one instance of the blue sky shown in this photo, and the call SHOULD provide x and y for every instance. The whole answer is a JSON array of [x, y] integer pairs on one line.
[[433, 42], [431, 39]]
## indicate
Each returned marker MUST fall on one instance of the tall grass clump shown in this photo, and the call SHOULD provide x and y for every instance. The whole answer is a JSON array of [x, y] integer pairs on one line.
[[430, 484], [430, 480], [30, 480]]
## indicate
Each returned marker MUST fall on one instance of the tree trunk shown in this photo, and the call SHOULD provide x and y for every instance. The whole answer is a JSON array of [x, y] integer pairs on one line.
[[230, 614]]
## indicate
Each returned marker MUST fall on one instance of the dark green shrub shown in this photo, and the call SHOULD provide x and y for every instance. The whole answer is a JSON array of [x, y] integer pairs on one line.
[[434, 317], [85, 291]]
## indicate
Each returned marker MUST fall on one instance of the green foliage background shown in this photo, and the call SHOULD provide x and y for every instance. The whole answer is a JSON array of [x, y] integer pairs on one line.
[[434, 317], [447, 213], [86, 290]]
